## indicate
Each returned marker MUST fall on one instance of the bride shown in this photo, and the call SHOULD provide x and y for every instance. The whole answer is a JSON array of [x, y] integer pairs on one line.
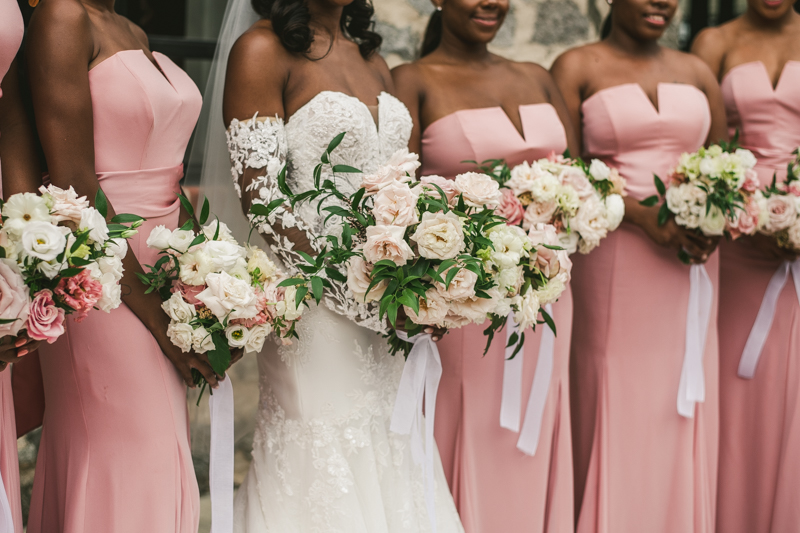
[[324, 459]]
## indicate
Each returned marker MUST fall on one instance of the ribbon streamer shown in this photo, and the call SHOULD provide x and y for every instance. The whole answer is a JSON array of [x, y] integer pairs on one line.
[[420, 379], [766, 314], [6, 517], [692, 387], [220, 473], [511, 403]]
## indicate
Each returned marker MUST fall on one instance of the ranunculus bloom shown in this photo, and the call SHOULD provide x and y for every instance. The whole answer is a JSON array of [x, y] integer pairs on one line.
[[45, 321], [387, 242], [15, 298], [80, 292], [511, 208]]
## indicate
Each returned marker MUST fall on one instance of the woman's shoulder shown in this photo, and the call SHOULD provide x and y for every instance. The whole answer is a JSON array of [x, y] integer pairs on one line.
[[259, 43], [61, 15]]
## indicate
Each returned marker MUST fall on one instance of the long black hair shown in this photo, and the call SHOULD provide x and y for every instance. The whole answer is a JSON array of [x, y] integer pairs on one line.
[[290, 20], [433, 34]]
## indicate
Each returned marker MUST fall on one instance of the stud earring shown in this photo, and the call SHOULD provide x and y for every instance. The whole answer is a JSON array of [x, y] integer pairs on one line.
[[438, 8]]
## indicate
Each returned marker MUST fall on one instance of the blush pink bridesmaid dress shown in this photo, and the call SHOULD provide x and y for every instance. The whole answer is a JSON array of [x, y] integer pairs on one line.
[[759, 461], [640, 466], [496, 487], [114, 455], [11, 30]]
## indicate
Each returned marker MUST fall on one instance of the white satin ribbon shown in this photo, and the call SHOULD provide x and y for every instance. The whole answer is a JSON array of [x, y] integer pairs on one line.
[[420, 379], [766, 313], [220, 463], [692, 387], [6, 517], [511, 402]]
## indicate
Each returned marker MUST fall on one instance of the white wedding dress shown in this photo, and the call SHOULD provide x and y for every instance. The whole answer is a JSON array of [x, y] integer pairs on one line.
[[324, 460]]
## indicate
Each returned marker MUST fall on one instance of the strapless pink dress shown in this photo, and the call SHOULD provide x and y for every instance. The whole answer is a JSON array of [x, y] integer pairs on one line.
[[759, 456], [115, 455], [495, 486], [640, 466], [11, 30]]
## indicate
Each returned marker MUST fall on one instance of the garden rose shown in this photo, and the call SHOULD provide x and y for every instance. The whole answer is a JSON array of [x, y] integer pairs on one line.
[[432, 310], [194, 267], [439, 236], [159, 238], [462, 286], [66, 205], [255, 340], [387, 242], [202, 341], [181, 335], [782, 212], [181, 239], [93, 222], [511, 208], [478, 190], [359, 278], [178, 309], [224, 255], [539, 213], [448, 187], [577, 180], [396, 205], [15, 298], [45, 321], [229, 297]]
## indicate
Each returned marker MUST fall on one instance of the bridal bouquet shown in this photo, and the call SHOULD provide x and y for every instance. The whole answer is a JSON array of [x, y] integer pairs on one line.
[[218, 294], [780, 208], [434, 248], [713, 191], [583, 202], [58, 257]]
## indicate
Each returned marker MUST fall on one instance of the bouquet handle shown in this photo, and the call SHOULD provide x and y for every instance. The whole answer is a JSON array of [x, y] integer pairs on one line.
[[766, 313], [220, 462], [421, 375], [692, 388]]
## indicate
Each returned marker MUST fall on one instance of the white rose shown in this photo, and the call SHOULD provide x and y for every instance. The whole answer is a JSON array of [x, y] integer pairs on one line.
[[202, 341], [539, 213], [439, 236], [747, 158], [181, 239], [794, 235], [551, 292], [237, 335], [255, 340], [118, 247], [713, 222], [224, 255], [575, 178], [194, 267], [590, 223], [111, 265], [782, 212], [396, 205], [159, 238], [228, 297], [359, 278], [429, 184], [111, 297], [545, 188], [432, 310], [510, 244], [239, 270], [473, 310], [288, 308], [387, 242], [521, 179], [42, 240], [615, 211], [478, 190], [93, 221], [181, 335], [462, 286], [509, 280], [224, 232], [527, 310], [23, 208], [178, 309], [259, 261], [599, 170], [404, 161]]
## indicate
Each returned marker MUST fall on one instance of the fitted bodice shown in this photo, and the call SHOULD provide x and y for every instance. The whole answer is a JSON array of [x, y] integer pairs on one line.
[[11, 31], [767, 118], [487, 133], [623, 128]]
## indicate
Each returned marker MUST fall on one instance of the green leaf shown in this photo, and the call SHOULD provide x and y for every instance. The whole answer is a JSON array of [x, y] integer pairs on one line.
[[187, 205], [101, 202], [317, 175], [660, 187], [335, 275], [335, 142], [284, 188], [325, 159], [549, 321], [69, 272], [205, 211], [78, 261], [519, 346], [346, 169], [450, 275], [663, 214], [125, 218], [197, 240], [220, 356], [291, 282], [82, 238], [355, 200], [188, 225], [392, 312], [8, 320], [316, 288], [650, 201], [306, 257], [300, 295]]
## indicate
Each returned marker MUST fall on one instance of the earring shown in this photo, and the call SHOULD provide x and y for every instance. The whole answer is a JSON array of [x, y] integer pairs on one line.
[[33, 3], [438, 8], [609, 2]]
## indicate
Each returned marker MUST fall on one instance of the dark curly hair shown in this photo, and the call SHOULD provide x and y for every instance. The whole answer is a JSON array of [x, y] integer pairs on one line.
[[290, 20]]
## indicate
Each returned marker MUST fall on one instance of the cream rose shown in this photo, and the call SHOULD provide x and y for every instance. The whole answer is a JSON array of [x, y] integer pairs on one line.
[[202, 341], [782, 212], [396, 205], [181, 239], [180, 335], [462, 286], [93, 221], [576, 179], [591, 224], [359, 278], [448, 187], [159, 238], [527, 310], [539, 213], [439, 236], [178, 309], [224, 232], [229, 297], [713, 222], [474, 310], [432, 310], [224, 255], [387, 242], [258, 334], [478, 190]]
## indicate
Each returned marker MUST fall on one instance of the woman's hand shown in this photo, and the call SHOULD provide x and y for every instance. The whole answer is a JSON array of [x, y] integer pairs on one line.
[[13, 348], [183, 362], [769, 248], [435, 332]]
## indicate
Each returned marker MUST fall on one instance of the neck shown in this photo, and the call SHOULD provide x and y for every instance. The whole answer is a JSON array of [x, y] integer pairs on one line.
[[625, 42], [757, 21], [326, 17], [100, 5], [457, 49]]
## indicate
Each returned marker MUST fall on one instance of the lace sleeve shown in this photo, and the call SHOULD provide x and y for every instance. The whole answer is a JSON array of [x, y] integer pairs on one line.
[[261, 144]]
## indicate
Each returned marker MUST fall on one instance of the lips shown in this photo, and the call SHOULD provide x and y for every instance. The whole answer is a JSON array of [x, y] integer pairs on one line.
[[656, 19], [486, 21], [773, 3]]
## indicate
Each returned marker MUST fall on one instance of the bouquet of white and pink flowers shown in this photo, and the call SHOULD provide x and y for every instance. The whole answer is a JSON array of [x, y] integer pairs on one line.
[[713, 191], [434, 248], [780, 208], [582, 202], [58, 256], [218, 294]]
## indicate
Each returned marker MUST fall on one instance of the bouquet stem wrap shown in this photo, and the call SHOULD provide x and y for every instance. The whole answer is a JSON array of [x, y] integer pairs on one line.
[[766, 313], [421, 376], [692, 387], [220, 474], [511, 403]]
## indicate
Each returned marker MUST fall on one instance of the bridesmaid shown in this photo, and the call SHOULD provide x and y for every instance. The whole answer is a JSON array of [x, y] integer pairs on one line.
[[757, 57], [640, 465], [470, 104], [114, 454], [19, 174]]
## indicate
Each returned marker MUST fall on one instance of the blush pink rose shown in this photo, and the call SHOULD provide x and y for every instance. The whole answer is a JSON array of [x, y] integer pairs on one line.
[[555, 158], [80, 292], [15, 299], [782, 212], [261, 318], [46, 321], [447, 186], [746, 222], [794, 188], [575, 178], [751, 182], [511, 208], [539, 213], [189, 292]]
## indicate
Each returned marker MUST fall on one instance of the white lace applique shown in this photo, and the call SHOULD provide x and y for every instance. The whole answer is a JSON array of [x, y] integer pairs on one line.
[[261, 144]]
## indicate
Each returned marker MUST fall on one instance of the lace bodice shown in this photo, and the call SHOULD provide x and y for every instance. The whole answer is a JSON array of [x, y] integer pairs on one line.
[[268, 144]]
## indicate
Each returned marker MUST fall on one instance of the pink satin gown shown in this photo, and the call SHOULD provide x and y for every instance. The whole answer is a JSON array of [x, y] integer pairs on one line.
[[759, 462], [496, 487], [11, 30], [115, 455], [640, 466]]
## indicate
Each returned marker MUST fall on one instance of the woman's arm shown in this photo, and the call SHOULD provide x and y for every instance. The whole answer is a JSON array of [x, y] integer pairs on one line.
[[567, 72], [409, 90], [59, 51]]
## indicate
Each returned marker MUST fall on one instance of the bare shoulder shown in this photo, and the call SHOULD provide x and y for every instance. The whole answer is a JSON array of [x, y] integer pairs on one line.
[[260, 49], [138, 32], [575, 62], [377, 62], [408, 75], [61, 15], [693, 64]]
